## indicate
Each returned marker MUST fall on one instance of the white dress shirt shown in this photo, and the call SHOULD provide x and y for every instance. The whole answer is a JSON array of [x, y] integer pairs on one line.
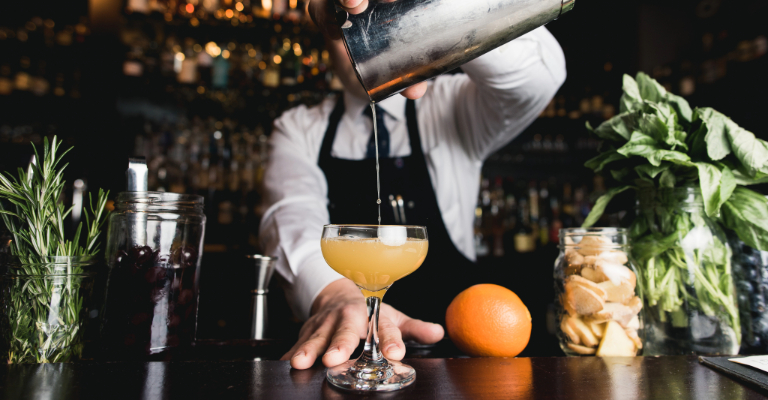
[[462, 118]]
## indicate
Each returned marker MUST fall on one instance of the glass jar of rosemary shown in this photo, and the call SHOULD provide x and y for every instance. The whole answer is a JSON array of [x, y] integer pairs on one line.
[[44, 303]]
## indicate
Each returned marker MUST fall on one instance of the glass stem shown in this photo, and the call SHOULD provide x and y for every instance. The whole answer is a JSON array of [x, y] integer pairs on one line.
[[371, 351]]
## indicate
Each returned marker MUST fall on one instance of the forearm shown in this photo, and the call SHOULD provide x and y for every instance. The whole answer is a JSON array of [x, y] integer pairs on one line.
[[296, 197], [507, 66], [292, 234], [506, 90]]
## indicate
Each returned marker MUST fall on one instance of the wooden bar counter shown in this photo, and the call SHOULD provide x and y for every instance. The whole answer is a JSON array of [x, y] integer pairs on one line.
[[585, 378]]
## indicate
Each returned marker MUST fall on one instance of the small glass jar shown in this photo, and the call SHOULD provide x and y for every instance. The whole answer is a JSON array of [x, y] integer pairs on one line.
[[154, 249], [685, 264], [43, 307], [597, 297]]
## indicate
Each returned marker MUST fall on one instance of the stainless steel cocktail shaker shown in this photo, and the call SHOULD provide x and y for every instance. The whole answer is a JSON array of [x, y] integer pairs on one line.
[[395, 44]]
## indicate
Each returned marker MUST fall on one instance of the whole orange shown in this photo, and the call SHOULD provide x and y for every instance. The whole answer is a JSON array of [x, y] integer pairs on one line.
[[488, 321]]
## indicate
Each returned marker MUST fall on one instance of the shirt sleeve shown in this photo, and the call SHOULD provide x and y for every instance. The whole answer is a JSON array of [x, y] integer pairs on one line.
[[296, 196], [502, 92]]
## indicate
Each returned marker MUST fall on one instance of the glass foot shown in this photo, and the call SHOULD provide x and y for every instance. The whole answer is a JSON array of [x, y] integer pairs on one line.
[[384, 377]]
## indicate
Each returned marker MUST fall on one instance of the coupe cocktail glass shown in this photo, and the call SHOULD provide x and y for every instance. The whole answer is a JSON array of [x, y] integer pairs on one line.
[[373, 257]]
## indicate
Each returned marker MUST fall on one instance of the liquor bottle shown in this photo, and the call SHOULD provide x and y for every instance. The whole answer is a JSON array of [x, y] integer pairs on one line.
[[188, 70], [481, 245], [554, 206], [524, 239], [220, 74], [482, 220], [497, 217], [533, 205], [270, 77], [544, 214], [6, 84], [567, 207]]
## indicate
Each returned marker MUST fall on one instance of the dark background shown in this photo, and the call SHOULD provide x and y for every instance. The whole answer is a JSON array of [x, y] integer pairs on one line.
[[708, 50]]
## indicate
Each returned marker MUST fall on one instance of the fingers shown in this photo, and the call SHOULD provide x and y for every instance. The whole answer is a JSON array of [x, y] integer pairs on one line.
[[351, 328], [307, 351], [416, 91], [354, 6], [323, 13], [390, 339], [414, 329], [422, 332]]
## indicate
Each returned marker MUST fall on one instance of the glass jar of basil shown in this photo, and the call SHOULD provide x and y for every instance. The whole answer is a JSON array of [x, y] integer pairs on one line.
[[685, 266]]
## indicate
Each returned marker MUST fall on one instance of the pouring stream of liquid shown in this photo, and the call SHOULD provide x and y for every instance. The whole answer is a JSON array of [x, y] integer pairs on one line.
[[376, 143]]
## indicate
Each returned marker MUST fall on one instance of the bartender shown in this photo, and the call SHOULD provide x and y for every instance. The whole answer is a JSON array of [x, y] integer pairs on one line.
[[432, 144]]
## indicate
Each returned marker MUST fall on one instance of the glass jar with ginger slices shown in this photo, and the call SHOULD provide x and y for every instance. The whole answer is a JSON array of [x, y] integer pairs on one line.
[[597, 293]]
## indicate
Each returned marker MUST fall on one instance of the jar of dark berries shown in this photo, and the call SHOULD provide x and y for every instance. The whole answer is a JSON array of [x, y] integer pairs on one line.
[[154, 248]]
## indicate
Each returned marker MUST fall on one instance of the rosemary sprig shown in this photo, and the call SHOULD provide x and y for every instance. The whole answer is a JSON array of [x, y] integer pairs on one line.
[[43, 300]]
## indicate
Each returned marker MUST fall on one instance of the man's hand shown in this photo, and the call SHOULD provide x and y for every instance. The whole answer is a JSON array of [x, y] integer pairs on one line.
[[339, 321], [322, 14]]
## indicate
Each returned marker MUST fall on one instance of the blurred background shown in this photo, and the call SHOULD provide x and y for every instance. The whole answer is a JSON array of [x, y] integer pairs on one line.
[[194, 85]]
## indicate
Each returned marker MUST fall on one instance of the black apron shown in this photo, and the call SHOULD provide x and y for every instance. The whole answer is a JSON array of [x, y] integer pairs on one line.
[[426, 293]]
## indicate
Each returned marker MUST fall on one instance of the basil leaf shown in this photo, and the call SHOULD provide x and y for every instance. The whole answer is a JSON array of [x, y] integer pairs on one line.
[[630, 99], [668, 155], [667, 179], [655, 127], [716, 186], [696, 144], [649, 88], [618, 128], [601, 203], [598, 163], [745, 180], [638, 227], [619, 175], [746, 213], [684, 113], [639, 144], [664, 111], [646, 146], [713, 127], [651, 170], [727, 185], [654, 244], [681, 136], [751, 151], [643, 183]]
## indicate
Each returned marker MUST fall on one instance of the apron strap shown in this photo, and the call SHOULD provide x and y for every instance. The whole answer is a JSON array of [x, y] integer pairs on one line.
[[413, 131], [338, 111], [330, 133]]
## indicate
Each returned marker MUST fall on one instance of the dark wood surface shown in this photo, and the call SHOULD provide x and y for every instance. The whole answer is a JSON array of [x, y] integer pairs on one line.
[[461, 378]]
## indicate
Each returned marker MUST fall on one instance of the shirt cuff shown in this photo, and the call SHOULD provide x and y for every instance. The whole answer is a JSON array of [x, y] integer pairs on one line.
[[314, 276]]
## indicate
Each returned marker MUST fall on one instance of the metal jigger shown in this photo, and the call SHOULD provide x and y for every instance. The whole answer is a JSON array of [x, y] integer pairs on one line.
[[264, 267]]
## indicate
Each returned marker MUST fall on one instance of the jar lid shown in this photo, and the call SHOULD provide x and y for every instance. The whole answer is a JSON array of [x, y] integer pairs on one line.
[[608, 237], [158, 201], [158, 198]]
